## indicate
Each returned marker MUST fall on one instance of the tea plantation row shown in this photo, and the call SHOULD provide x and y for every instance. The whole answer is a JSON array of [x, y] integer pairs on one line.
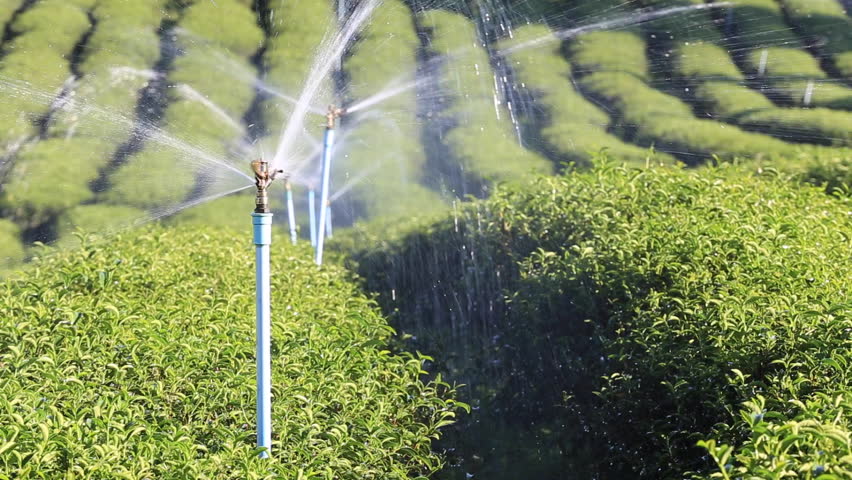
[[137, 361], [82, 137], [640, 312], [144, 101]]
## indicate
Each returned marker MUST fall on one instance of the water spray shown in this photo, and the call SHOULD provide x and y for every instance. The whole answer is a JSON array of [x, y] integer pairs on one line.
[[328, 142], [262, 222], [291, 213]]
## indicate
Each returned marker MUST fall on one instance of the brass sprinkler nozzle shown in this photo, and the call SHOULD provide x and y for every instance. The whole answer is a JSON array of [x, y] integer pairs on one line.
[[262, 178], [333, 114]]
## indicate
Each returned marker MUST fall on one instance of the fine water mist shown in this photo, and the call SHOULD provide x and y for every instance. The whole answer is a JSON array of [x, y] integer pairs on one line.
[[444, 100]]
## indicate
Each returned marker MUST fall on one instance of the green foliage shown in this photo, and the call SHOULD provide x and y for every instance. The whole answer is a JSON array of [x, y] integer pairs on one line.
[[50, 177], [97, 219], [660, 301], [7, 10], [97, 116], [827, 168], [136, 359], [652, 118], [826, 25], [38, 55], [710, 74], [572, 127], [813, 444], [386, 146], [297, 30], [480, 135], [152, 179], [225, 24], [231, 212], [761, 27], [11, 249], [214, 88]]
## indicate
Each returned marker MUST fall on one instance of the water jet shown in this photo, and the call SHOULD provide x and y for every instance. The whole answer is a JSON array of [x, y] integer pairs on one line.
[[262, 222], [291, 212]]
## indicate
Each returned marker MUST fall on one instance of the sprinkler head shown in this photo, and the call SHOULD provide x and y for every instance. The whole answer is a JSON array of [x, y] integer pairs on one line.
[[263, 176], [333, 114]]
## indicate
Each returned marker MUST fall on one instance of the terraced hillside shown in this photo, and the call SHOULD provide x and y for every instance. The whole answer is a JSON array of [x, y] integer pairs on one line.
[[139, 110]]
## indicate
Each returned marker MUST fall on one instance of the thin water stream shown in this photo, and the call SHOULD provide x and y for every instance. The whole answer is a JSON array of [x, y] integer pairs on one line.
[[451, 301]]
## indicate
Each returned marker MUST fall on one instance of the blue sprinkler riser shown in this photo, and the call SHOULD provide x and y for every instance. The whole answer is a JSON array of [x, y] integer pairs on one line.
[[312, 216], [291, 216], [326, 173], [262, 223]]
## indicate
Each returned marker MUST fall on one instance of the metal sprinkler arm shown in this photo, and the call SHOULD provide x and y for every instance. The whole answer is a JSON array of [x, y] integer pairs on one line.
[[262, 178]]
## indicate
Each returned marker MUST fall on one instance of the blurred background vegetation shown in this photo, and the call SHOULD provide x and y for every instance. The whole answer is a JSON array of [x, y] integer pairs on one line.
[[138, 109]]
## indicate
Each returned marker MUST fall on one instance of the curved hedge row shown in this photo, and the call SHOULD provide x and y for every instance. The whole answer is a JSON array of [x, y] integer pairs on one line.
[[137, 361], [7, 10], [659, 307], [476, 128], [571, 128], [11, 247], [296, 30], [762, 30], [30, 200], [38, 54], [115, 66], [96, 118], [614, 69], [214, 87], [386, 145], [702, 64], [825, 25]]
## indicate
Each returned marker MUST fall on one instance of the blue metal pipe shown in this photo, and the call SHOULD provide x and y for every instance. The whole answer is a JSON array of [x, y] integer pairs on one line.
[[328, 142], [291, 214], [312, 216], [328, 222], [262, 223]]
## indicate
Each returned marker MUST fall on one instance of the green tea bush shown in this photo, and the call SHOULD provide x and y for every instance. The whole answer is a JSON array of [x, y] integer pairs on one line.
[[38, 54], [229, 212], [701, 62], [136, 359], [668, 307], [7, 10], [83, 136], [761, 27], [385, 57], [615, 71], [214, 67], [124, 42], [479, 133], [571, 127], [96, 219], [51, 176], [212, 51], [826, 25], [11, 249], [228, 25], [153, 178], [296, 32], [827, 168]]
